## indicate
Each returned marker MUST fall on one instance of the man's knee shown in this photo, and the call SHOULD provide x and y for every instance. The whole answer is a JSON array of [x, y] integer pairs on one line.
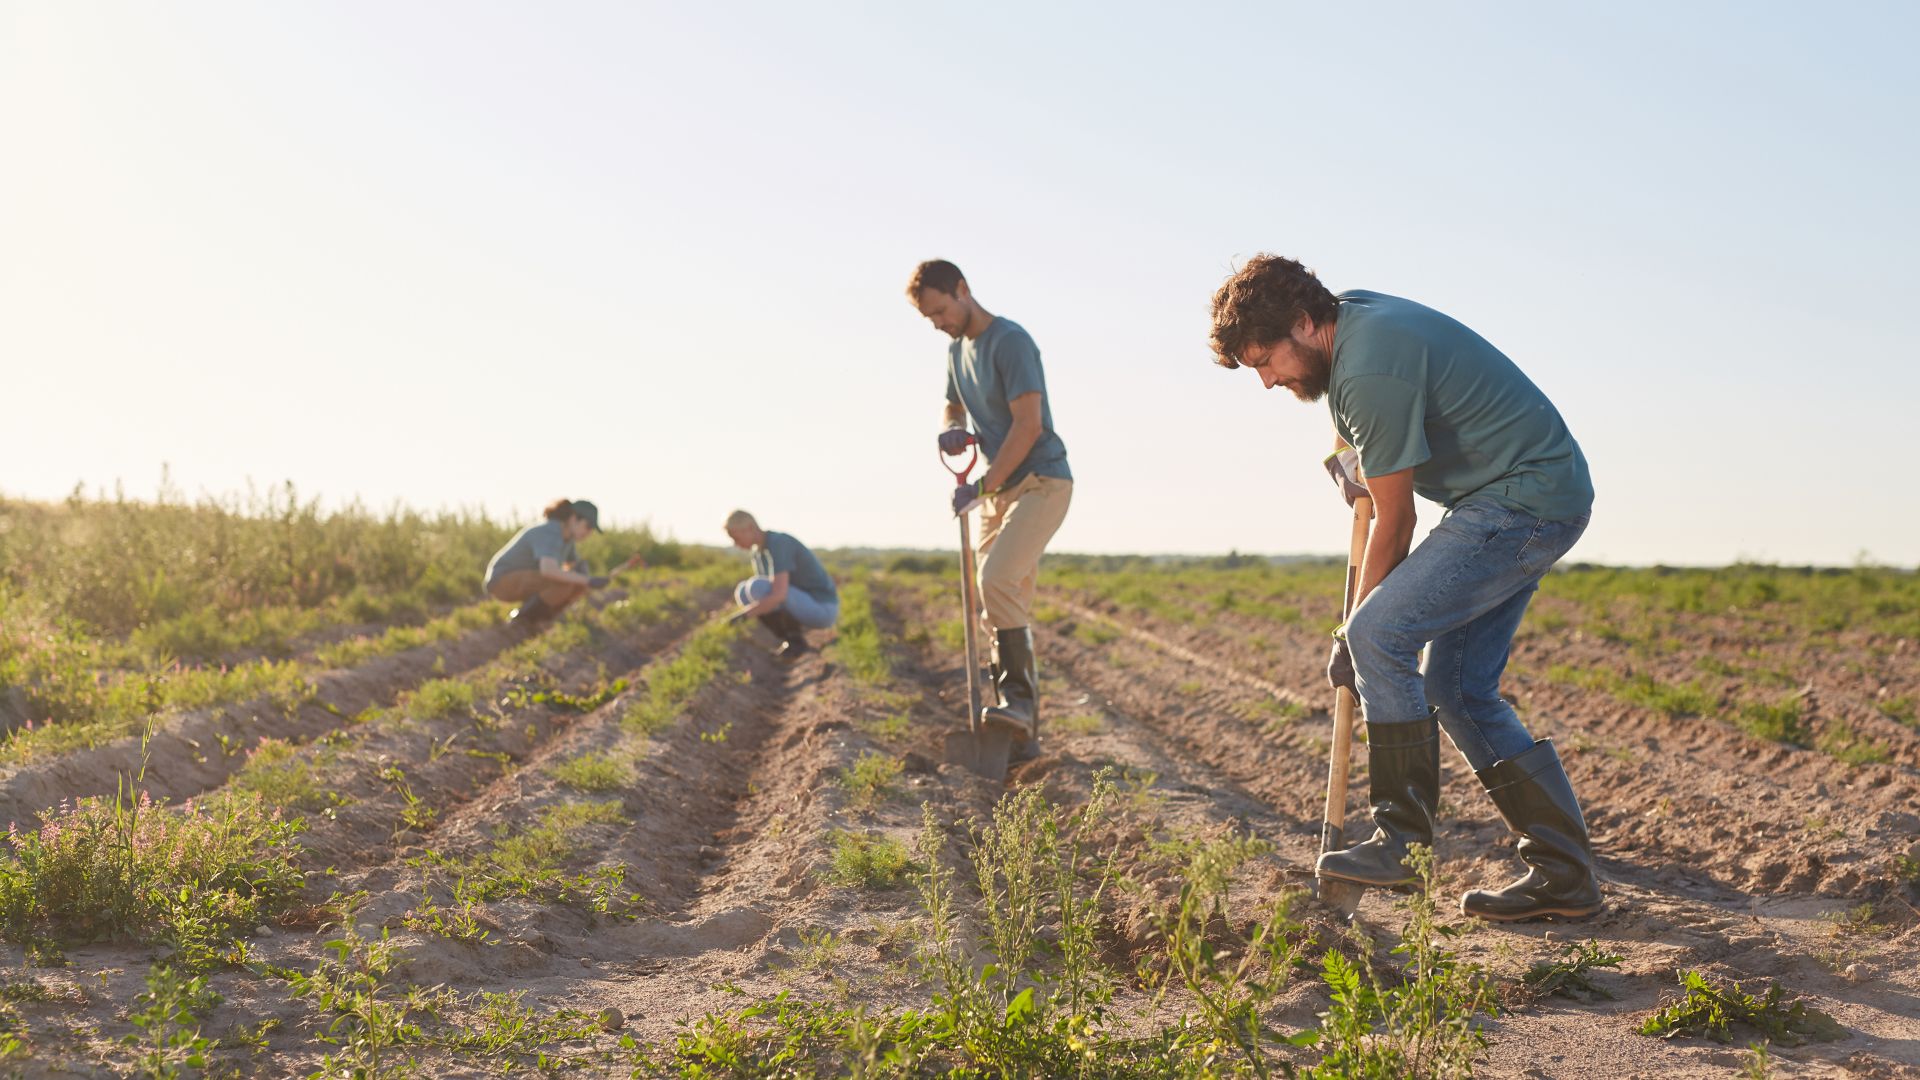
[[752, 590], [1379, 641]]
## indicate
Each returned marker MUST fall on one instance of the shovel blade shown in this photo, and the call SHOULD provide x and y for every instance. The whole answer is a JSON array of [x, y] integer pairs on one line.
[[983, 752], [1341, 896]]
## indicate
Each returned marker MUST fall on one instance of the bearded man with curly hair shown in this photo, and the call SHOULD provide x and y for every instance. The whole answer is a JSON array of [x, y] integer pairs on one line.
[[1433, 409]]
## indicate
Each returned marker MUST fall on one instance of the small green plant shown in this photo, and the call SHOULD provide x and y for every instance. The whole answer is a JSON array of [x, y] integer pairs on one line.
[[442, 697], [871, 779], [168, 1015], [1571, 973], [1710, 1010], [1906, 869], [368, 1019], [719, 734], [281, 774], [1086, 723], [1420, 1026], [1759, 1063], [870, 862], [592, 772]]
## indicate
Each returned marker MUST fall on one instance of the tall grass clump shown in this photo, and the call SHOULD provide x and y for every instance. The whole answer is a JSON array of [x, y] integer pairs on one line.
[[111, 867]]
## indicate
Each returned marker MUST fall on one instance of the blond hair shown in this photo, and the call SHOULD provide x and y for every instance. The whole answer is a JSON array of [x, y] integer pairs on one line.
[[740, 519]]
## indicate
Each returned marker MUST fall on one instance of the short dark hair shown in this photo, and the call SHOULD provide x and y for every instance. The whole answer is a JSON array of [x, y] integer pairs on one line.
[[1262, 302], [935, 274]]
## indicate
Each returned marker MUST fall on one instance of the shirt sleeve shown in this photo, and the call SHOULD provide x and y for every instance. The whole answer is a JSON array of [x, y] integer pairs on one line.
[[1018, 361], [547, 544], [781, 555], [1387, 418]]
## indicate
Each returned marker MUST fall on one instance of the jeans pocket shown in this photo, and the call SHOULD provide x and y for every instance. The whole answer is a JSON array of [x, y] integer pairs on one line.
[[1548, 541]]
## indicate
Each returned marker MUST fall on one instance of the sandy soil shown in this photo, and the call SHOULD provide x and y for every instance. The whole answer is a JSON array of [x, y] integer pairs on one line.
[[1720, 852]]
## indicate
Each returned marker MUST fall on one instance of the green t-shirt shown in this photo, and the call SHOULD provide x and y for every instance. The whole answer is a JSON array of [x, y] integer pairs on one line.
[[985, 375], [783, 554], [529, 546], [1415, 389]]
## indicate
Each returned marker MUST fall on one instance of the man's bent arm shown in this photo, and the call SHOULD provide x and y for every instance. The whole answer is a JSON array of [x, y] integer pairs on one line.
[[1392, 535], [1020, 439], [955, 415]]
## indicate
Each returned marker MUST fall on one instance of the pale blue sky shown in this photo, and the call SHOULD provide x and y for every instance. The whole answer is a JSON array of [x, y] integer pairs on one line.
[[485, 254]]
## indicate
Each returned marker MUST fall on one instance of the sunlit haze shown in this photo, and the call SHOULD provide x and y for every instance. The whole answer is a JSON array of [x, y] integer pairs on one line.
[[485, 254]]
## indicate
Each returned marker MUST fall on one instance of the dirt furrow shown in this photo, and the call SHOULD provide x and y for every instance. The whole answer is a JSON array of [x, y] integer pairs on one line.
[[201, 749]]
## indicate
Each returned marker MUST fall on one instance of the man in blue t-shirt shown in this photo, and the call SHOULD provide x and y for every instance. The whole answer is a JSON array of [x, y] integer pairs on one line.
[[789, 591], [995, 380], [1433, 409]]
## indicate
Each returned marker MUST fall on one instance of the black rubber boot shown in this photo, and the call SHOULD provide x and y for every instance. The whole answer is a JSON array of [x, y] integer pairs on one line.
[[1018, 687], [532, 612], [1537, 801], [1403, 782], [793, 637]]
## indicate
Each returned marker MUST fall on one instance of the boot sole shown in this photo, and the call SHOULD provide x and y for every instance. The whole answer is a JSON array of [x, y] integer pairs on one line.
[[1573, 914]]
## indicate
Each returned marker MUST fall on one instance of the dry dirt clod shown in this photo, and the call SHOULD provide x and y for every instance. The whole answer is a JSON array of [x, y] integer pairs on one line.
[[612, 1019], [1857, 973]]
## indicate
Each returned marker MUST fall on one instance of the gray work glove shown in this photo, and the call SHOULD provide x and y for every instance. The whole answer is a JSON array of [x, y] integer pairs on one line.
[[1344, 467], [955, 440], [1340, 668]]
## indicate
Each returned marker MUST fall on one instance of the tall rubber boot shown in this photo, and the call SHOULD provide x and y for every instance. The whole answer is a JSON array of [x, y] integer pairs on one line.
[[1537, 801], [793, 637], [1018, 687], [1403, 782]]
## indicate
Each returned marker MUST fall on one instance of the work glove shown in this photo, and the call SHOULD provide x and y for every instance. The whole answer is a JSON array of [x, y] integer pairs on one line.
[[1340, 668], [955, 440], [598, 581], [1344, 466], [967, 496]]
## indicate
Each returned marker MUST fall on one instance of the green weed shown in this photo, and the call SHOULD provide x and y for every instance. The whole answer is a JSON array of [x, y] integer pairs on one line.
[[592, 772], [859, 646], [1571, 973], [1710, 1010], [870, 781], [168, 1015], [281, 775], [868, 862], [672, 685]]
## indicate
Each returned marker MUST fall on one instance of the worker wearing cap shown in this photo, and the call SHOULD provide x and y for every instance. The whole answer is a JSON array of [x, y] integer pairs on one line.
[[789, 592], [994, 380], [540, 570]]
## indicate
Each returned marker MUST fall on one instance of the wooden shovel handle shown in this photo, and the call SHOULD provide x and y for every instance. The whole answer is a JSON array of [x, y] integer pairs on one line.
[[1333, 819]]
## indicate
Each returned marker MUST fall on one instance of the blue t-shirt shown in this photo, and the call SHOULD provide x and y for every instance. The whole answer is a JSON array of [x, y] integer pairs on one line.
[[985, 374], [529, 546], [783, 554], [1415, 389]]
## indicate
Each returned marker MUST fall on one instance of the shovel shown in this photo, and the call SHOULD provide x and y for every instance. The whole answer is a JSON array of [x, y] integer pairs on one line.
[[980, 749], [1343, 896]]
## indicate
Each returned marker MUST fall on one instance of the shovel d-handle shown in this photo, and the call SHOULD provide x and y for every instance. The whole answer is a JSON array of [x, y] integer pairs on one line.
[[973, 458], [1334, 818]]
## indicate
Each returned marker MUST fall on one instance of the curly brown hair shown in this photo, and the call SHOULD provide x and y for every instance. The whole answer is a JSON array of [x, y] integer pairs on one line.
[[937, 274], [1262, 302]]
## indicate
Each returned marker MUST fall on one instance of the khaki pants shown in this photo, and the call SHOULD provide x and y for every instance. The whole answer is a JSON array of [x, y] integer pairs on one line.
[[517, 585], [1014, 529]]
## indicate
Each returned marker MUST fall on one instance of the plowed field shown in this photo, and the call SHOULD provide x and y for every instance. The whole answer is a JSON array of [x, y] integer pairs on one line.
[[598, 849]]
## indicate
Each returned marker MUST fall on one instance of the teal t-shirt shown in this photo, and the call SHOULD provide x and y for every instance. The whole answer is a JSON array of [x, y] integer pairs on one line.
[[529, 546], [985, 374], [1415, 389], [782, 553]]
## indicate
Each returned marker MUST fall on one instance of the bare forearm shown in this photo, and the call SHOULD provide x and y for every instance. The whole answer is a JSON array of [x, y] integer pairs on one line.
[[1387, 547], [553, 571], [954, 415]]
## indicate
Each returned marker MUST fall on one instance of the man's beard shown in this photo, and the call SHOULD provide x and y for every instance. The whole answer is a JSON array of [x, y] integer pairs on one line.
[[1319, 375]]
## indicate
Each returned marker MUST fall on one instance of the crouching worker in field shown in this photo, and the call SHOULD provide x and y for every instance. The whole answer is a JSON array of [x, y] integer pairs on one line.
[[1432, 408], [540, 570], [789, 591]]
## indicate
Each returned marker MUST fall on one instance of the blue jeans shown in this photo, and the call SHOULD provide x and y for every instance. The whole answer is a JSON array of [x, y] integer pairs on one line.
[[1463, 590], [814, 614]]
